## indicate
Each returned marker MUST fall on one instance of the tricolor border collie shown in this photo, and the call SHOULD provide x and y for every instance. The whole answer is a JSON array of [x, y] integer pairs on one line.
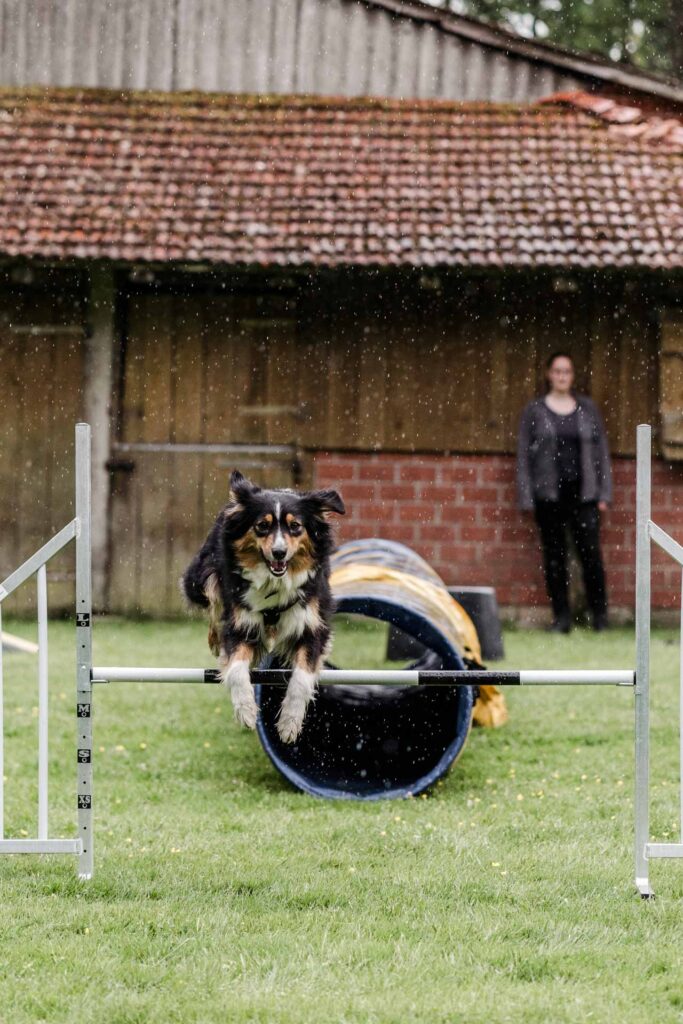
[[263, 574]]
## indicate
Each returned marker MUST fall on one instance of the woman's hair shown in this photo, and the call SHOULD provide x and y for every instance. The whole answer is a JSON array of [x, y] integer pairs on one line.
[[557, 355]]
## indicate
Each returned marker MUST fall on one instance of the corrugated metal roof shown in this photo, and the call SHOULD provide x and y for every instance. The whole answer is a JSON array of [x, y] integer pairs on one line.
[[305, 181], [584, 64], [400, 48]]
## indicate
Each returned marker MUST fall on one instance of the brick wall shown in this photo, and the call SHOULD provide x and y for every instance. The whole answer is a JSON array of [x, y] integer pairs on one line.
[[459, 512]]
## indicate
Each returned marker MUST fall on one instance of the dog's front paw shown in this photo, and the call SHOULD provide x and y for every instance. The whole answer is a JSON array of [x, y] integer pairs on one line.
[[246, 709], [289, 724], [293, 710], [236, 678]]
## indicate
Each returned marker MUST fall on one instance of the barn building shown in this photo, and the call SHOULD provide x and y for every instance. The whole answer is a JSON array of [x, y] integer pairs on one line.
[[331, 242]]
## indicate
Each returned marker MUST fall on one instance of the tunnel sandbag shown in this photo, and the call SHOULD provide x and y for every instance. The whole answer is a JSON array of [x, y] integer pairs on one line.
[[377, 742]]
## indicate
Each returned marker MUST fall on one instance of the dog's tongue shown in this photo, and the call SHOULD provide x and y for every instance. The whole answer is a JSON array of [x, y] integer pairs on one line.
[[278, 567]]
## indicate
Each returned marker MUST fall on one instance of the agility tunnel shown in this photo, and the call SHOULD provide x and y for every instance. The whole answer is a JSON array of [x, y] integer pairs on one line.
[[383, 742]]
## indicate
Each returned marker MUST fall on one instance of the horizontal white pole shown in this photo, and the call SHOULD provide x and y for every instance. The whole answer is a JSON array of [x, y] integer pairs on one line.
[[40, 846], [116, 674], [664, 850], [596, 677], [385, 677], [17, 643]]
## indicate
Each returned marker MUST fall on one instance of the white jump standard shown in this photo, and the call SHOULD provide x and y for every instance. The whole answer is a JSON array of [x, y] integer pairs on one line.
[[87, 675]]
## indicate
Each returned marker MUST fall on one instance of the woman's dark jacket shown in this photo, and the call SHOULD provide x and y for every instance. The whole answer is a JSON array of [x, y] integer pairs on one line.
[[537, 470]]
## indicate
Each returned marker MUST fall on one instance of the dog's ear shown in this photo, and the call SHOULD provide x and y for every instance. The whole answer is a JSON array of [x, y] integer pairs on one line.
[[325, 502], [240, 487]]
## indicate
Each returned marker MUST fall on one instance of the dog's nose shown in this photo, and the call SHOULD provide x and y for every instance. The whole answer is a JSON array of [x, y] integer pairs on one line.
[[279, 554]]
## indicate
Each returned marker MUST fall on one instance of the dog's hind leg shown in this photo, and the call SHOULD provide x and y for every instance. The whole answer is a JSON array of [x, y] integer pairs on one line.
[[300, 691], [235, 675], [212, 590]]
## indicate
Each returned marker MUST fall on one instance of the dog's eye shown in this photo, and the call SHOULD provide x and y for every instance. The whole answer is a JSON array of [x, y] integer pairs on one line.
[[262, 529], [295, 528]]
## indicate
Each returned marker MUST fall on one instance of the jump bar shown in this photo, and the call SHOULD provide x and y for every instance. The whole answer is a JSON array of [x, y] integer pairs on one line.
[[383, 677]]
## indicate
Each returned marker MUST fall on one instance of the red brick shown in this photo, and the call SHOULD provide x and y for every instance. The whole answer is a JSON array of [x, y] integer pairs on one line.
[[518, 534], [480, 494], [459, 514], [334, 469], [437, 494], [458, 474], [376, 471], [475, 533], [376, 512], [397, 492], [352, 531], [459, 554], [430, 531], [415, 471], [401, 532], [495, 514], [357, 491], [497, 474]]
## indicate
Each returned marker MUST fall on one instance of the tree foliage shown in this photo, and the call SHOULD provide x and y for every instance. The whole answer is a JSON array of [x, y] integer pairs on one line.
[[646, 33]]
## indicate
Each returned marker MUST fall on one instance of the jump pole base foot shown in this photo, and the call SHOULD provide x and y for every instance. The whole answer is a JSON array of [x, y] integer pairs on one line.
[[645, 891]]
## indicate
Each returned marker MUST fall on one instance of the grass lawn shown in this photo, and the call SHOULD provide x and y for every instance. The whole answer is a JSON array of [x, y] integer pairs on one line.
[[222, 895]]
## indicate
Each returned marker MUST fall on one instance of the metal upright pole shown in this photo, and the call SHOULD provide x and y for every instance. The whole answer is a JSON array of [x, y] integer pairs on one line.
[[642, 689], [84, 651], [2, 740], [680, 718], [42, 705]]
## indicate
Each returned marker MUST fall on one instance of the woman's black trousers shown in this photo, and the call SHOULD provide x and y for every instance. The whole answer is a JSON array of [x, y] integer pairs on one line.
[[556, 521]]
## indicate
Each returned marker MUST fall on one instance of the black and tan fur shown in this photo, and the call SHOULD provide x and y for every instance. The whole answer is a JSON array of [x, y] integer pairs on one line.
[[263, 574]]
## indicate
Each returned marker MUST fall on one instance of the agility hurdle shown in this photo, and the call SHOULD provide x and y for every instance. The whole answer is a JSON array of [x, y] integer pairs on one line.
[[88, 675]]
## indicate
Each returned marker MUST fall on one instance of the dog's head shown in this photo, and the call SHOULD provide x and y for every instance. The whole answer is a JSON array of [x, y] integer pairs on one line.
[[286, 530]]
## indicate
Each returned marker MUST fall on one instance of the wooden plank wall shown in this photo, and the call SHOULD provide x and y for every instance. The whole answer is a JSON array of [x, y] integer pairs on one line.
[[41, 373], [356, 363], [451, 369]]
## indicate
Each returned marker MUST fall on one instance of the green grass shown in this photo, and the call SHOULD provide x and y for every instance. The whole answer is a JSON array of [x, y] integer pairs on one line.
[[222, 895]]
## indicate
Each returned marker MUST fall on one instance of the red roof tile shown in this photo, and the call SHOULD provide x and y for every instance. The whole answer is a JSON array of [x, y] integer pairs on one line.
[[290, 181]]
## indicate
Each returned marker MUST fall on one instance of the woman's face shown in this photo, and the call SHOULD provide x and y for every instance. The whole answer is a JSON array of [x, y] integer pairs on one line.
[[560, 375]]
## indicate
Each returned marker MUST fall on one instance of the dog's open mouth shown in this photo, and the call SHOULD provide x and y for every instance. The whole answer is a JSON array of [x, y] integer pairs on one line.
[[276, 567]]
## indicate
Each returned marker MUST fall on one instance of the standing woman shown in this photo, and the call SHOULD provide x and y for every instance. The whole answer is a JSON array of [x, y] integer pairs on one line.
[[564, 477]]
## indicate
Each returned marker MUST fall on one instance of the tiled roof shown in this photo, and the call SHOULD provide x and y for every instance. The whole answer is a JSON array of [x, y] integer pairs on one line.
[[631, 122], [276, 181]]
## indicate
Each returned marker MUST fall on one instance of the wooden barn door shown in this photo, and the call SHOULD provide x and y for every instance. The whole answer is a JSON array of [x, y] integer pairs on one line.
[[671, 385], [207, 384], [42, 354]]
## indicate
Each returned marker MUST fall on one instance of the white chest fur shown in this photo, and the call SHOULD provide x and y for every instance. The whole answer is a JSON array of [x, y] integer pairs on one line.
[[267, 592]]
